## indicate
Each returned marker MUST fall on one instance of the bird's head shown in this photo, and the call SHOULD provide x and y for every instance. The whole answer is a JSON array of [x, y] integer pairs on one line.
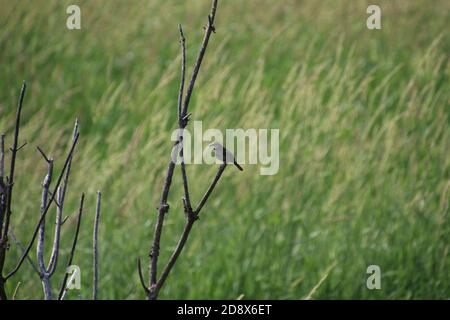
[[214, 145]]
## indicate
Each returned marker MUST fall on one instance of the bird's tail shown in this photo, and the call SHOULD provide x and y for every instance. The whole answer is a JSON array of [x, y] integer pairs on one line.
[[238, 166]]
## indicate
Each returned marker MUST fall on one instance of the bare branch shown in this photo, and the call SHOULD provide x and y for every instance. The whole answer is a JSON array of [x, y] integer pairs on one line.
[[2, 183], [2, 160], [30, 244], [69, 166], [209, 28], [95, 248], [11, 177], [47, 272], [183, 73], [21, 146], [55, 248], [191, 218], [182, 119], [43, 154], [48, 198], [60, 205], [44, 272], [174, 257], [65, 219], [72, 251], [186, 198], [210, 189], [7, 193], [41, 235]]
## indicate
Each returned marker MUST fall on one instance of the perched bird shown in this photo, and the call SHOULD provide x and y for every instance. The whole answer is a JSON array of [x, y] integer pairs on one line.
[[224, 155]]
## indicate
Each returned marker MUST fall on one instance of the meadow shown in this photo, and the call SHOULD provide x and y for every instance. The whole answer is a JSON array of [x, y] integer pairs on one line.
[[364, 120]]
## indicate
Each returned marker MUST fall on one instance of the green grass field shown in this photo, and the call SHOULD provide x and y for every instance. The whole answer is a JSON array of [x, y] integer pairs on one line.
[[364, 119]]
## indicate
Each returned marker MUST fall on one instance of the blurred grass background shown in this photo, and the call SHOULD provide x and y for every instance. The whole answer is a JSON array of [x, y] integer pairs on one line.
[[364, 128]]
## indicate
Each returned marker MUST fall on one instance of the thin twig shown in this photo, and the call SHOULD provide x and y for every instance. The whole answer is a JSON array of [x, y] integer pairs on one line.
[[72, 251], [2, 160], [56, 238], [183, 73], [210, 189], [43, 154], [175, 254], [2, 183], [95, 248], [10, 184], [65, 219], [162, 210], [21, 146], [186, 198], [69, 165], [7, 196], [45, 278], [60, 205], [182, 121], [68, 283], [41, 235], [208, 30], [141, 277]]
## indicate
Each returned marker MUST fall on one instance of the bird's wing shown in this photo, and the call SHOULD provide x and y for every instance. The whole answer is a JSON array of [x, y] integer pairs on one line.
[[229, 156]]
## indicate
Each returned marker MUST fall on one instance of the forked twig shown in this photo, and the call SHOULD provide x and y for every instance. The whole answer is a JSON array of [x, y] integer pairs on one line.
[[43, 272], [46, 272], [44, 213], [95, 248], [57, 195], [191, 218], [155, 285]]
